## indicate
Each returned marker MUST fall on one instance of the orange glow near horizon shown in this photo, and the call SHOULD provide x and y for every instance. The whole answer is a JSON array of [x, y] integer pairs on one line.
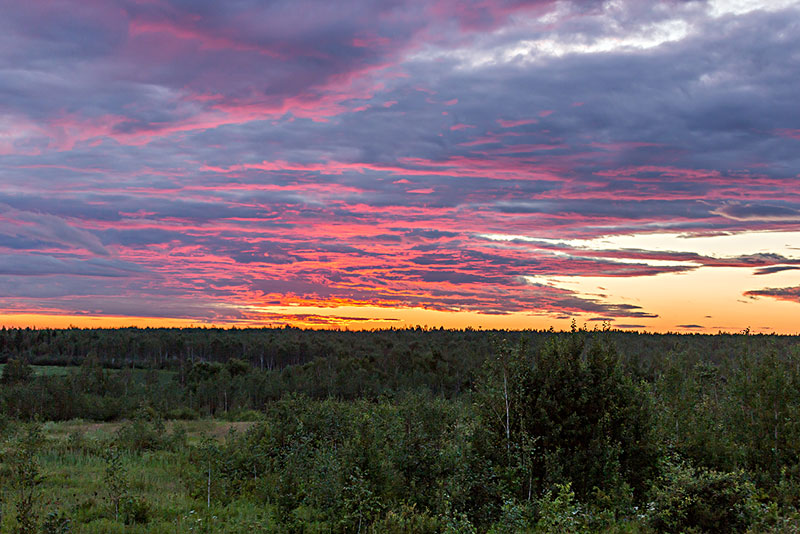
[[485, 164], [38, 320], [676, 315], [704, 288]]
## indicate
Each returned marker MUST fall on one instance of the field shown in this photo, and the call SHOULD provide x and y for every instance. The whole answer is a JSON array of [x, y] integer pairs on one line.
[[73, 470], [44, 370], [164, 376]]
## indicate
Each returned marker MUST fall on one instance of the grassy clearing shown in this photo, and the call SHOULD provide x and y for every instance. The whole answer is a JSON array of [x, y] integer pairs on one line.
[[137, 375], [58, 432], [73, 470], [45, 370]]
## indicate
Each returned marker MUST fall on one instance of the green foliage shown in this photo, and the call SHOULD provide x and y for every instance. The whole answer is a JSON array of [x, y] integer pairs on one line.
[[407, 520], [560, 512], [772, 522], [208, 460], [115, 480], [694, 415], [402, 431], [184, 413], [565, 413], [686, 499], [146, 432], [459, 524], [514, 518], [16, 371], [134, 510], [23, 474], [361, 504], [243, 415], [764, 408], [56, 522]]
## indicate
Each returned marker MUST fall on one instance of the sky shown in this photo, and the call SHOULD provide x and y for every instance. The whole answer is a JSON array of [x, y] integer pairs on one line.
[[386, 163]]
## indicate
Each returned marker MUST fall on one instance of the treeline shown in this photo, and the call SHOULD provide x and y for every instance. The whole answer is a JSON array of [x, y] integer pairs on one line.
[[105, 386], [392, 349], [265, 348]]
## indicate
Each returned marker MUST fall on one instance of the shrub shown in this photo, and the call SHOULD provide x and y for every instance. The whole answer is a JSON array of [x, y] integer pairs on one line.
[[142, 434], [407, 520], [56, 523], [115, 480], [16, 371], [560, 512], [135, 511], [686, 499], [183, 413], [87, 510], [512, 519], [178, 437], [459, 524], [20, 457]]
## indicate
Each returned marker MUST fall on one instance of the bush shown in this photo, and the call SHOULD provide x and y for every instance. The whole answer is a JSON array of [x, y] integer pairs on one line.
[[142, 434], [16, 371], [183, 413], [560, 512], [87, 510], [135, 511], [407, 520], [686, 499], [178, 437], [459, 524], [56, 523], [21, 465], [513, 518]]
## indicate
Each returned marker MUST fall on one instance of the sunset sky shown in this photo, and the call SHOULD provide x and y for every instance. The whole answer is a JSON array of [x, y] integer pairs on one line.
[[372, 164]]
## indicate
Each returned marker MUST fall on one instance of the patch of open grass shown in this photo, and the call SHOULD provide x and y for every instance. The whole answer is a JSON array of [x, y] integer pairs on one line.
[[73, 483], [46, 370]]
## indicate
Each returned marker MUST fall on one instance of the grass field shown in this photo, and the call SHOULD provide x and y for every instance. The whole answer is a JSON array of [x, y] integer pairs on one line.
[[46, 370], [61, 370], [73, 482], [57, 432]]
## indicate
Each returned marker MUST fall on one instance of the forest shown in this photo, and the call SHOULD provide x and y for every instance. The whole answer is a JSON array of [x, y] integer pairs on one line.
[[398, 431]]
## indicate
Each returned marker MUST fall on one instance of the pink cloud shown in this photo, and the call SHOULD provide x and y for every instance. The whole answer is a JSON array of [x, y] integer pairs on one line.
[[165, 31], [513, 123], [785, 132]]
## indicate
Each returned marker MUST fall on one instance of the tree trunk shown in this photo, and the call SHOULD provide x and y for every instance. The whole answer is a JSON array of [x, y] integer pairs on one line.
[[508, 418]]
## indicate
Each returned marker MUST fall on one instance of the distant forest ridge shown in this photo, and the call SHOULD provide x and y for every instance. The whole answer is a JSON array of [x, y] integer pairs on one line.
[[277, 348]]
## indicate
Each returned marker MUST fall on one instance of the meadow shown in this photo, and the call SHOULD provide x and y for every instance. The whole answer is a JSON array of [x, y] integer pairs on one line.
[[400, 431]]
